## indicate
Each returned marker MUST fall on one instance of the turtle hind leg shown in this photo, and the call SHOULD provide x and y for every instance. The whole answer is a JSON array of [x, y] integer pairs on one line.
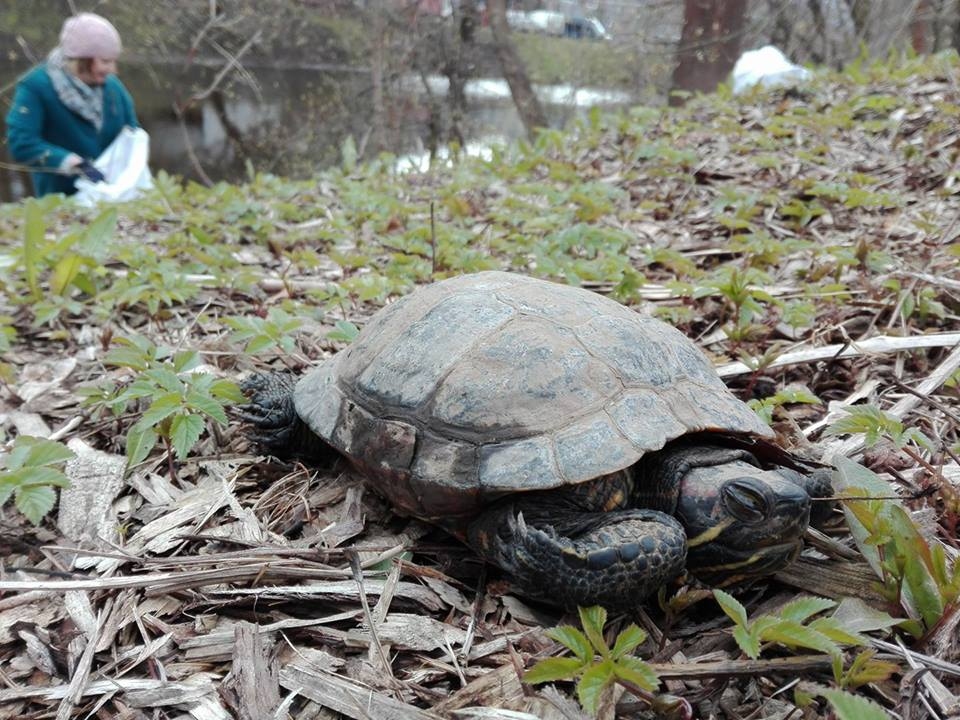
[[274, 424], [613, 559]]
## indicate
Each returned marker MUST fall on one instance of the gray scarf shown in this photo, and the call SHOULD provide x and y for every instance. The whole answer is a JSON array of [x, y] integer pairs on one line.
[[85, 101]]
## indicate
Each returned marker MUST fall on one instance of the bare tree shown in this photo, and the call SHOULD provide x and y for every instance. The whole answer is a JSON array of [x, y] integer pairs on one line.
[[709, 44], [528, 105]]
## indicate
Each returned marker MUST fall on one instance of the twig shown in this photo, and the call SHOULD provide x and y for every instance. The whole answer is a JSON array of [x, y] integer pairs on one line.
[[879, 344], [374, 638]]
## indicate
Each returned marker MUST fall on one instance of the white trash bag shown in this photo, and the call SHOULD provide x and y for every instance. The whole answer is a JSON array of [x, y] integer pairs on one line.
[[124, 165], [767, 67]]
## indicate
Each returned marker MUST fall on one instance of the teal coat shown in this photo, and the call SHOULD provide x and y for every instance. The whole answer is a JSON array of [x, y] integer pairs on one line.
[[42, 131]]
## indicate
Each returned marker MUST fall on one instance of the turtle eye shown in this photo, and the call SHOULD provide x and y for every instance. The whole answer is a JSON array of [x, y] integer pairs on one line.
[[746, 500]]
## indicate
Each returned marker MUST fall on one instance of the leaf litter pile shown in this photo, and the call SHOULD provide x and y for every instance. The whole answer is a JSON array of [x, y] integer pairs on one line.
[[806, 239]]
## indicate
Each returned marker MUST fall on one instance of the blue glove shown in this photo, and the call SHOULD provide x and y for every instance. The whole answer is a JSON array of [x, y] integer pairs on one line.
[[87, 169]]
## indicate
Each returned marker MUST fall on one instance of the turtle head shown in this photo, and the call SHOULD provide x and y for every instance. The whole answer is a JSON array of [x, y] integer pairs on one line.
[[741, 521]]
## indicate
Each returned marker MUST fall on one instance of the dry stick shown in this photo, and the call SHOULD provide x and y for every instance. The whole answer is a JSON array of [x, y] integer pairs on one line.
[[81, 673], [358, 577], [929, 279], [741, 668], [157, 583], [947, 703], [879, 344]]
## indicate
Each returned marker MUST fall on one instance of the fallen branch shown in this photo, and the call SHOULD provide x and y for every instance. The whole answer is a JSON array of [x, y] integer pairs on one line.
[[879, 344]]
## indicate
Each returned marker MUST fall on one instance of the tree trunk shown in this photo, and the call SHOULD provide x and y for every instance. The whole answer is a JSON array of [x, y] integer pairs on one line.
[[860, 13], [378, 124], [459, 66], [820, 31], [529, 107], [709, 45], [920, 27]]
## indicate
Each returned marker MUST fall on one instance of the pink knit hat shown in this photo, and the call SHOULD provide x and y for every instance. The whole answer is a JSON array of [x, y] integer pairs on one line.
[[88, 35]]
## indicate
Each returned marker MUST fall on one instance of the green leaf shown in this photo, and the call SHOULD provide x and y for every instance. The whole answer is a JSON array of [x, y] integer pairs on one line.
[[732, 607], [33, 476], [161, 408], [227, 391], [802, 608], [628, 640], [592, 683], [34, 231], [593, 619], [791, 634], [636, 671], [35, 501], [853, 707], [348, 154], [186, 360], [921, 591], [856, 616], [749, 642], [185, 430], [552, 670], [259, 343], [64, 273], [97, 235], [140, 441], [834, 629], [207, 405], [865, 669], [45, 452], [165, 378], [573, 639], [345, 331]]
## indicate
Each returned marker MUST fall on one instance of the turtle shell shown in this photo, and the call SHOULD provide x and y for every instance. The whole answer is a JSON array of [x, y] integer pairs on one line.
[[493, 383]]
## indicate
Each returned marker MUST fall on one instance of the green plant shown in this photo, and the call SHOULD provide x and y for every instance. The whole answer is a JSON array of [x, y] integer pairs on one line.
[[595, 665], [70, 264], [915, 571], [788, 396], [847, 706], [260, 334], [922, 302], [790, 627], [875, 425], [29, 472], [748, 300], [793, 627], [180, 400]]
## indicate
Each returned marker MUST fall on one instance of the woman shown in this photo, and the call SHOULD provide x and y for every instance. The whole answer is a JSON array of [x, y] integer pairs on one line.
[[67, 111]]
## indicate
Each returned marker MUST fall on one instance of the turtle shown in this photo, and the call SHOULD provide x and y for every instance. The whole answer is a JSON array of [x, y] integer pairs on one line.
[[588, 450]]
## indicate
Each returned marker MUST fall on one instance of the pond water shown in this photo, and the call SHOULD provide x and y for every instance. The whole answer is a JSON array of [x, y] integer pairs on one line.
[[294, 121]]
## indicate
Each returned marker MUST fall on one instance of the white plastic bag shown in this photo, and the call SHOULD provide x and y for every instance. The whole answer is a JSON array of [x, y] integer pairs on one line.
[[124, 165], [767, 67]]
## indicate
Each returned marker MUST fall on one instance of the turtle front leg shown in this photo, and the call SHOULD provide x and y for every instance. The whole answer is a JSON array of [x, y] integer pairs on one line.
[[579, 558], [275, 425]]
